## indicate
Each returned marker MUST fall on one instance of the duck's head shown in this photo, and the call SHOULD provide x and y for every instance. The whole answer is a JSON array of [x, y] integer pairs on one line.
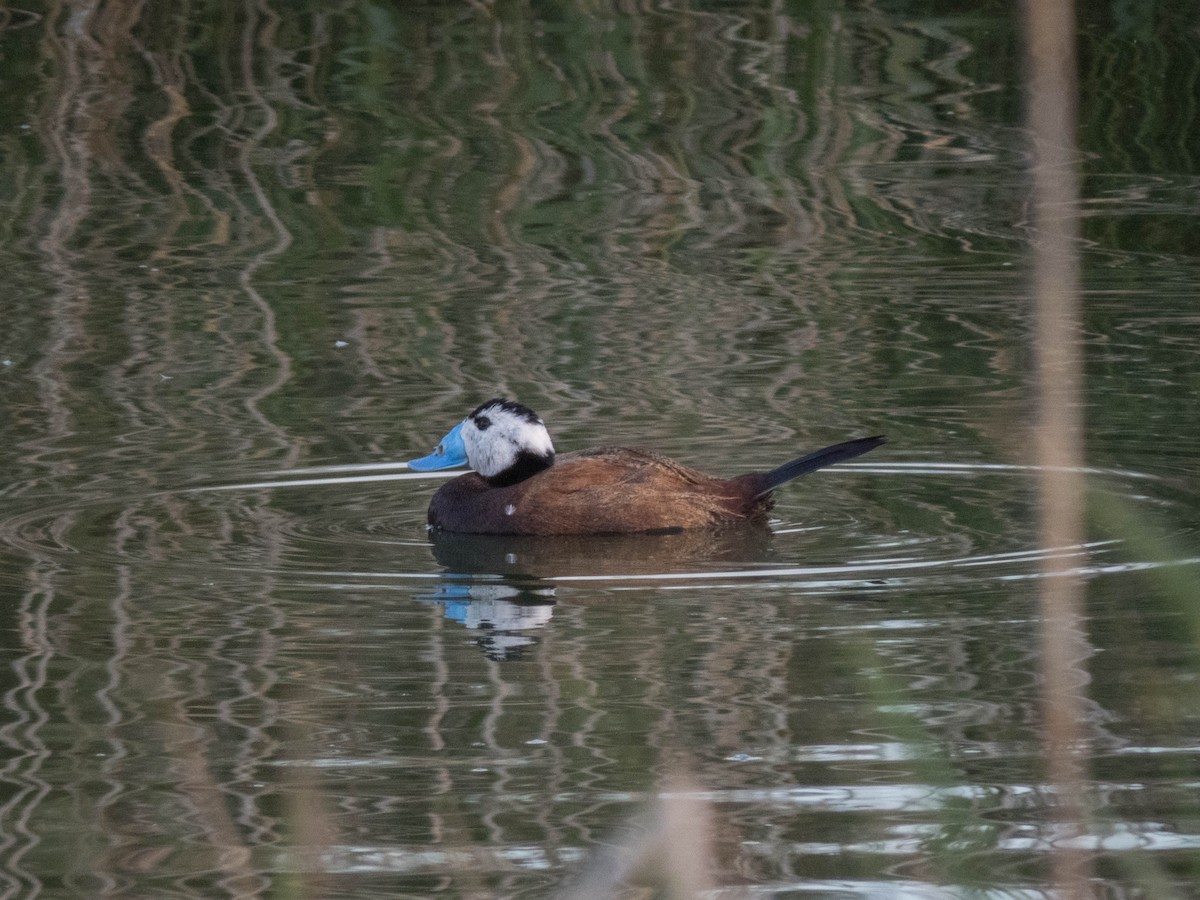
[[503, 441]]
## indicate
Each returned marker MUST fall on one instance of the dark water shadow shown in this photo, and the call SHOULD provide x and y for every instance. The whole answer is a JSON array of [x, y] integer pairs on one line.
[[600, 555], [502, 587]]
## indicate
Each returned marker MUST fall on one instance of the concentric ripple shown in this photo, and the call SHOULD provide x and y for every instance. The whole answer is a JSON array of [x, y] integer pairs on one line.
[[931, 523]]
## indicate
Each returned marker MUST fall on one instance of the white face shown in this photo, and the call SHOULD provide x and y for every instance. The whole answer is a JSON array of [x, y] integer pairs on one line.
[[497, 433]]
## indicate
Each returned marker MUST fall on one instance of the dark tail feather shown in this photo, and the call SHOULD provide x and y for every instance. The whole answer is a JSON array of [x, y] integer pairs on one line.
[[818, 460]]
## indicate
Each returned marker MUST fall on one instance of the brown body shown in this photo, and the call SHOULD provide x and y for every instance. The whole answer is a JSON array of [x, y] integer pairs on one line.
[[601, 491]]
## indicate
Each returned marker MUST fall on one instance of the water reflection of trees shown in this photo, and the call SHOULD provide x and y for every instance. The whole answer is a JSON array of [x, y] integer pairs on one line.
[[208, 196]]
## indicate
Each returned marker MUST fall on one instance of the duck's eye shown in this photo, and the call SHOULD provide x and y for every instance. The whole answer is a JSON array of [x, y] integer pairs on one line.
[[483, 423]]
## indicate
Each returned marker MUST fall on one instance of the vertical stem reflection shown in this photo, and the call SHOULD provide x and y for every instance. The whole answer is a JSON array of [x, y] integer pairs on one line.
[[1050, 35]]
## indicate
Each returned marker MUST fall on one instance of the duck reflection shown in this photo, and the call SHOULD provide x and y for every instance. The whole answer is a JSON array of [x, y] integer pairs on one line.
[[500, 613], [501, 586], [613, 555]]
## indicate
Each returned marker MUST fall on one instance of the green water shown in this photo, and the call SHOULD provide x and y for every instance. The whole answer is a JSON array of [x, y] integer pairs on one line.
[[256, 254]]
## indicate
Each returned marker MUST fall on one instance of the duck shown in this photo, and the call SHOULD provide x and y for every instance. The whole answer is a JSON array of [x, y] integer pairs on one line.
[[519, 485]]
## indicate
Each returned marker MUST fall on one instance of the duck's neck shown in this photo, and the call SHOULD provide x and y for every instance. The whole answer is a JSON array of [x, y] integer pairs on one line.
[[526, 466]]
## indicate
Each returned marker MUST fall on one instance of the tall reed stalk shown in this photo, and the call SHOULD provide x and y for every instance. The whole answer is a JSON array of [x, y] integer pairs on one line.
[[1058, 429]]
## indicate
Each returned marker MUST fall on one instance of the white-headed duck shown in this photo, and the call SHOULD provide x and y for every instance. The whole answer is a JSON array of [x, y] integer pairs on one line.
[[519, 486]]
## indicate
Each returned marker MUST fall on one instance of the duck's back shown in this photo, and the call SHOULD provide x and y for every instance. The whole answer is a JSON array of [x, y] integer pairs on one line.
[[602, 491]]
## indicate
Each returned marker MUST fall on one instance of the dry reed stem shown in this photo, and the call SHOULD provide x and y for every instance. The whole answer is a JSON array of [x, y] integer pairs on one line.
[[1050, 37]]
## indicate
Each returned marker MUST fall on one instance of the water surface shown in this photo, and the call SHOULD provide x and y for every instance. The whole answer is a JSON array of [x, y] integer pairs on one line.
[[256, 256]]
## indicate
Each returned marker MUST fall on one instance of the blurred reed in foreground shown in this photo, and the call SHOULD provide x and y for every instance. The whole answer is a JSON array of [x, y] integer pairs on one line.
[[1058, 430]]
